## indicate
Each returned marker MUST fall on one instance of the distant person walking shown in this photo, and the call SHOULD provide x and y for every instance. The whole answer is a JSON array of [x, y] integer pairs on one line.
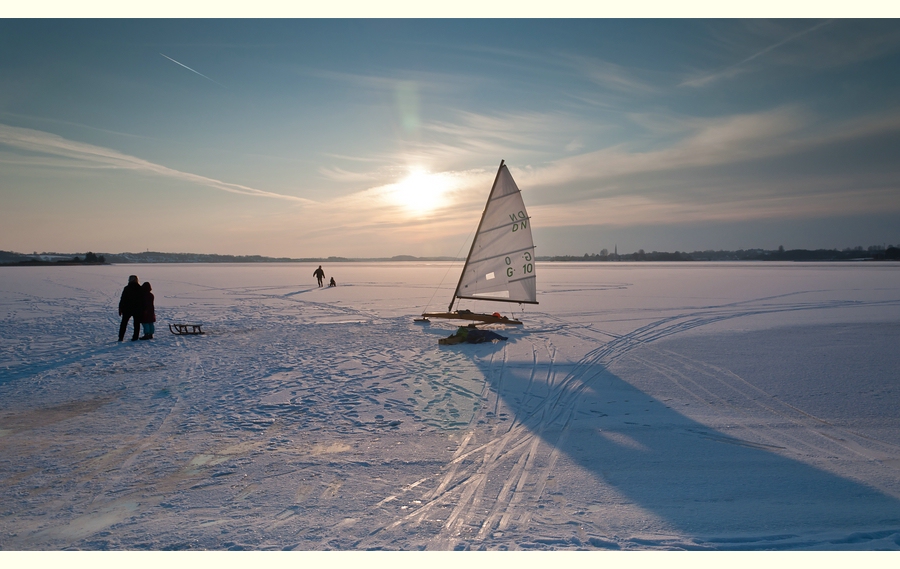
[[131, 305], [319, 274], [148, 316]]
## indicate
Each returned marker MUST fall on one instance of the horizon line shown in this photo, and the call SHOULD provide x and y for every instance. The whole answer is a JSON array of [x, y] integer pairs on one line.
[[406, 257]]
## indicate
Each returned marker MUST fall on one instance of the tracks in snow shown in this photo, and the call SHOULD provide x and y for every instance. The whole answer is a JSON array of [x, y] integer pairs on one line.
[[497, 478]]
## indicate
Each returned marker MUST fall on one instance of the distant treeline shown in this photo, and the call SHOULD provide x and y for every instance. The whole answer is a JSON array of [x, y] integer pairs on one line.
[[151, 257], [780, 254], [8, 258], [851, 254], [12, 258]]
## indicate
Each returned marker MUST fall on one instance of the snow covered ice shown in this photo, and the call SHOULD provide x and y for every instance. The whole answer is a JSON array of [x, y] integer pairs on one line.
[[642, 406]]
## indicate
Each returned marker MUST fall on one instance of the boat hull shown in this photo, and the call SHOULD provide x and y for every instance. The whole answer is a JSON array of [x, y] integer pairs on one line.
[[473, 316]]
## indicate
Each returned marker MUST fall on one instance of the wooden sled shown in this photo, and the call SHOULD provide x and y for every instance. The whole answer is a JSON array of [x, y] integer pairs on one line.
[[474, 316], [185, 329]]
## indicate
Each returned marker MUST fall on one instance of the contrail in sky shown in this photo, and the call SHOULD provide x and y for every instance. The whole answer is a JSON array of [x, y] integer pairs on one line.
[[782, 42], [194, 70], [731, 68]]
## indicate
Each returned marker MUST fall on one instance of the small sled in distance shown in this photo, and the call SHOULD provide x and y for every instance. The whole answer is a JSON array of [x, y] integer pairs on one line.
[[185, 329]]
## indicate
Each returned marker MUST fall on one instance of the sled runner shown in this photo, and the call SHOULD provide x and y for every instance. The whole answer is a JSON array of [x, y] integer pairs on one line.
[[473, 316], [185, 329]]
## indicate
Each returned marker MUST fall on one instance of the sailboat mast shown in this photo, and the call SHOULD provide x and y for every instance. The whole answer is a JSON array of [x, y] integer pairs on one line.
[[477, 231]]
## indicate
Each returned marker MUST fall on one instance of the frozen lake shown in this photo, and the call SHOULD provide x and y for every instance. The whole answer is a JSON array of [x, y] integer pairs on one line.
[[641, 406]]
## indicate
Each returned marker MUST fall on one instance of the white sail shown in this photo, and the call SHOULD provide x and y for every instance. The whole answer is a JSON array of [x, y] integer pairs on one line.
[[500, 265]]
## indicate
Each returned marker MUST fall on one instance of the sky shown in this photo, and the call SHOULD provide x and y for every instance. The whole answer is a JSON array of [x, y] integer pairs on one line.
[[381, 137]]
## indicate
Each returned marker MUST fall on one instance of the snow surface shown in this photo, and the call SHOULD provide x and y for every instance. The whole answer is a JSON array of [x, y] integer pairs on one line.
[[642, 406]]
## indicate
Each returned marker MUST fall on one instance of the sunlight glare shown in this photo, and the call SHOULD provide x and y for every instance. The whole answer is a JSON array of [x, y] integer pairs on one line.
[[421, 192]]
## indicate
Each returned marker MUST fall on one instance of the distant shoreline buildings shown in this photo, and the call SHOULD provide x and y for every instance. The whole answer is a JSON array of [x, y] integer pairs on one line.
[[873, 253]]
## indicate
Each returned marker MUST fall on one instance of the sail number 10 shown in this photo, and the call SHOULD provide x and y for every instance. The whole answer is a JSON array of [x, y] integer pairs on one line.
[[527, 267]]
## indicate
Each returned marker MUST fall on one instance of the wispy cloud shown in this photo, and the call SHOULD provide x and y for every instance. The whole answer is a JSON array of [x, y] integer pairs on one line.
[[706, 142], [193, 70], [704, 175], [98, 157], [340, 175], [385, 219], [351, 158], [735, 69], [76, 124], [610, 75], [389, 80], [565, 66], [640, 210], [470, 138]]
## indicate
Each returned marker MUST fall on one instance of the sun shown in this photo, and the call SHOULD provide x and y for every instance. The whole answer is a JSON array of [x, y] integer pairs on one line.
[[420, 192]]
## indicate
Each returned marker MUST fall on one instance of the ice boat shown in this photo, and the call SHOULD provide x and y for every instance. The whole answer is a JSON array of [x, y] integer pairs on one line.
[[500, 263]]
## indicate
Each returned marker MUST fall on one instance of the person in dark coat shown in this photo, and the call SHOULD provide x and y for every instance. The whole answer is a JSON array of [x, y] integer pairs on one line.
[[148, 316], [319, 274], [131, 305]]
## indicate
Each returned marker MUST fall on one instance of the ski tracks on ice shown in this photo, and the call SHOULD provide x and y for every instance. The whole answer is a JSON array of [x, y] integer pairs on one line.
[[498, 473], [487, 494]]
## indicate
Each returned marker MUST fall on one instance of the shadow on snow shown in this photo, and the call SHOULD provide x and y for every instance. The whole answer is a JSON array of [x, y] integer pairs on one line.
[[722, 491]]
